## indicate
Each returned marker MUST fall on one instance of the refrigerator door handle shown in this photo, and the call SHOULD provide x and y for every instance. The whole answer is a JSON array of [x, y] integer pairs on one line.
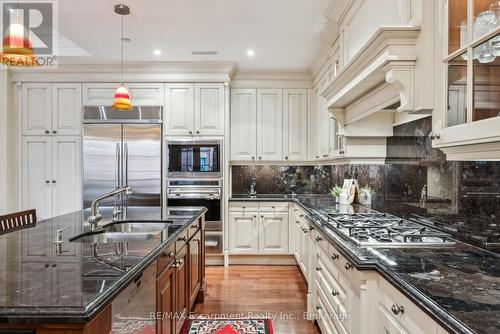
[[117, 166], [126, 165]]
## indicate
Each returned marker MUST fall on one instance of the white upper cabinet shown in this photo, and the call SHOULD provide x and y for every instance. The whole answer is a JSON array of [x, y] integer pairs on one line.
[[467, 119], [295, 124], [194, 109], [270, 124], [243, 124], [179, 109], [67, 108], [36, 108], [141, 94], [51, 109], [209, 109]]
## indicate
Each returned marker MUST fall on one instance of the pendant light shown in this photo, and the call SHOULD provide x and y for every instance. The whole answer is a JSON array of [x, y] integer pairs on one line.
[[17, 46], [122, 96]]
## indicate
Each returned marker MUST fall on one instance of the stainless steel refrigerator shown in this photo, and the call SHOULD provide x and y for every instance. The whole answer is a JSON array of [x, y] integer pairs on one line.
[[123, 148]]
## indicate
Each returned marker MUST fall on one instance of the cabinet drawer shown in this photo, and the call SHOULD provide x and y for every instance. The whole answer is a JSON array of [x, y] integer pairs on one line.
[[166, 258], [326, 312], [273, 206], [399, 310], [181, 240], [344, 266], [213, 244], [193, 228], [334, 290], [243, 206]]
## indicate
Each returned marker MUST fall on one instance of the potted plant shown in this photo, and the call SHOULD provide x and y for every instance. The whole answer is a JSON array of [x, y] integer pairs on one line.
[[365, 195], [335, 192]]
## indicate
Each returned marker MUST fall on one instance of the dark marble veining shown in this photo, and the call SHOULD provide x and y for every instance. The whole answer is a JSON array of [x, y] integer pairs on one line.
[[458, 286], [40, 285], [282, 179]]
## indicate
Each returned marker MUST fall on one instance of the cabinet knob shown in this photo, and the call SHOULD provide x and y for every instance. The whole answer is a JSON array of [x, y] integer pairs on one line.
[[335, 256], [54, 181], [47, 181], [47, 265], [194, 226], [181, 239], [317, 157], [341, 152], [318, 307], [171, 254], [397, 309], [47, 132], [197, 132], [318, 269], [335, 293], [54, 265], [305, 230], [253, 158], [325, 155], [318, 238], [286, 158], [190, 132], [54, 131], [260, 158]]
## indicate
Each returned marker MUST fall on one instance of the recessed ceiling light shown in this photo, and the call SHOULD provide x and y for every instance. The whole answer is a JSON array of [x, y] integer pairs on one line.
[[157, 52], [250, 53]]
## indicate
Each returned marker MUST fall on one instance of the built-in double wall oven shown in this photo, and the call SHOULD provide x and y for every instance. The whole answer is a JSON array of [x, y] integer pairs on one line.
[[194, 178]]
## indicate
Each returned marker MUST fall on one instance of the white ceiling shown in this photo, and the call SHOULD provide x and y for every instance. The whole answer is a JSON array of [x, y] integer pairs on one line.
[[285, 34]]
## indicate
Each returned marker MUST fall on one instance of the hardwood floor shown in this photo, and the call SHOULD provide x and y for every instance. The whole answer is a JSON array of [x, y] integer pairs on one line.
[[247, 290]]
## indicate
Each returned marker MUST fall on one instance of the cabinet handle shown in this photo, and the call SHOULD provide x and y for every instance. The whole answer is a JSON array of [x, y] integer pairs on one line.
[[261, 216], [348, 266], [273, 207], [319, 268], [253, 158], [47, 181], [181, 239], [194, 226], [297, 222], [305, 230], [397, 309], [317, 157], [318, 307], [190, 132], [260, 158], [197, 132], [286, 158], [341, 152], [318, 238], [47, 132], [54, 265], [325, 155], [301, 215], [335, 293], [335, 256], [54, 131], [171, 254], [54, 181], [255, 216], [47, 265]]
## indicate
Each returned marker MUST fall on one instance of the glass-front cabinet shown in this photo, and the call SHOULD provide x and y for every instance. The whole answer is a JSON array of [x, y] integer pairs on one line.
[[472, 75]]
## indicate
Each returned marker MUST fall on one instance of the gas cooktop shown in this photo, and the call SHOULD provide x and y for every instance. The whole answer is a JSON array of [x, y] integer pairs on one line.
[[385, 230]]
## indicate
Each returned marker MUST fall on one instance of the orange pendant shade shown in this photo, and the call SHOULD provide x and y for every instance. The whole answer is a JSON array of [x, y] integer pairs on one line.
[[17, 47], [122, 99]]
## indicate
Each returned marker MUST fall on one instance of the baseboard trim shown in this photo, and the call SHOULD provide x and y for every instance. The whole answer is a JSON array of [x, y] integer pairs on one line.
[[287, 260]]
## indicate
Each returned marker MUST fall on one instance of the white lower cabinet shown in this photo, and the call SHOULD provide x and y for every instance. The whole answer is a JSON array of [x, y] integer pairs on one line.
[[346, 300], [51, 175], [255, 231]]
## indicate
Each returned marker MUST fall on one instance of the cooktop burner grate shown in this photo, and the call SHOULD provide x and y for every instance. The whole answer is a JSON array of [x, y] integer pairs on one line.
[[385, 230]]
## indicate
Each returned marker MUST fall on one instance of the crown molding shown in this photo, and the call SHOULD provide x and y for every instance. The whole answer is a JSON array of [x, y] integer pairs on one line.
[[271, 79], [144, 71]]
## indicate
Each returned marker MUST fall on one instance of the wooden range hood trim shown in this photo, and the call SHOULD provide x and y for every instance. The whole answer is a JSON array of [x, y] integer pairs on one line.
[[385, 64]]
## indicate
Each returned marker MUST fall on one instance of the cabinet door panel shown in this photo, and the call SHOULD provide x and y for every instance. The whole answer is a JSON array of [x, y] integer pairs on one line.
[[65, 276], [67, 174], [243, 124], [295, 124], [209, 109], [194, 267], [36, 283], [270, 124], [36, 175], [165, 301], [273, 233], [182, 287], [67, 108], [244, 233], [179, 111], [99, 94], [146, 94], [36, 108]]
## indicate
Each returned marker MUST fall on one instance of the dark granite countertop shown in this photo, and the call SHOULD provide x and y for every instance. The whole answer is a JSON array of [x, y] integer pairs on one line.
[[37, 285], [458, 286]]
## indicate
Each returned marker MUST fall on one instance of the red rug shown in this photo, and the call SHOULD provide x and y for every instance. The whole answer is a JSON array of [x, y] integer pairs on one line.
[[227, 326]]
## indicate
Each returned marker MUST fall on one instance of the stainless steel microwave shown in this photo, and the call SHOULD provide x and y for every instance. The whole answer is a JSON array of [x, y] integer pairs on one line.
[[193, 158]]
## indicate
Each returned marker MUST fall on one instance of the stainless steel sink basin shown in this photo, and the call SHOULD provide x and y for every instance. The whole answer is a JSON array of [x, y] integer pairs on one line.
[[103, 236], [136, 226]]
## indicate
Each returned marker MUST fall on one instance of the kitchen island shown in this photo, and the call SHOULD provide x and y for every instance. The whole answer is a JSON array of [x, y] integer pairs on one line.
[[457, 286], [129, 273]]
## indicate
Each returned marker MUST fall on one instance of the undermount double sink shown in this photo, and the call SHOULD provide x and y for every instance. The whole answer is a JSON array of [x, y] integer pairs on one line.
[[127, 231]]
